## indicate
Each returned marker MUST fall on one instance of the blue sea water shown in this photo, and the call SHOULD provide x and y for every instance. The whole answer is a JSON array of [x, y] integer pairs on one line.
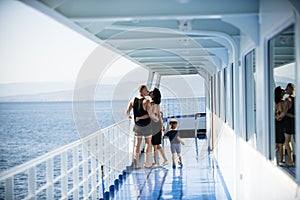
[[31, 129]]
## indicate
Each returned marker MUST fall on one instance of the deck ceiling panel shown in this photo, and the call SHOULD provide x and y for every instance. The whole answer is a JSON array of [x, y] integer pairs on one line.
[[197, 24], [157, 55], [122, 24], [169, 59], [171, 52], [156, 8], [106, 34]]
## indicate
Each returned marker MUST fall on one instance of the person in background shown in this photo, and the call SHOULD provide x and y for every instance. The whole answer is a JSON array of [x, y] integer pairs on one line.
[[280, 112], [290, 122], [142, 127], [175, 141]]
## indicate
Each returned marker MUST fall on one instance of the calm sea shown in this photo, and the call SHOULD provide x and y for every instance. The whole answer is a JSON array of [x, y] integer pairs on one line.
[[31, 129]]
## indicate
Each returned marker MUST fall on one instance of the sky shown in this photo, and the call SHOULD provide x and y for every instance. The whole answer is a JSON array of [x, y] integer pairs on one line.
[[37, 49]]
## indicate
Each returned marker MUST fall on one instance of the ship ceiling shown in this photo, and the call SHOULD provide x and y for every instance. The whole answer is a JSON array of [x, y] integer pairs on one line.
[[166, 37]]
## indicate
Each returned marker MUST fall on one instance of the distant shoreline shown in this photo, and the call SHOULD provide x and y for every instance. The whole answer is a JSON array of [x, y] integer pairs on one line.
[[102, 100]]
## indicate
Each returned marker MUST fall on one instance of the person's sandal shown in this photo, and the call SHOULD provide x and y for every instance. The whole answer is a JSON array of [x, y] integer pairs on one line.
[[290, 164], [154, 165], [165, 163], [137, 167], [147, 166], [282, 164]]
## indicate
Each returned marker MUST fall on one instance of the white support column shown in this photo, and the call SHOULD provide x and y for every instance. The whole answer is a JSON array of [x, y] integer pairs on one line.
[[297, 54], [150, 79], [157, 81], [208, 109], [236, 117]]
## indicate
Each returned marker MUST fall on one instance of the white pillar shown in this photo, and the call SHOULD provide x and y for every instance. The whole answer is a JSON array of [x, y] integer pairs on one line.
[[297, 55], [150, 79], [157, 81]]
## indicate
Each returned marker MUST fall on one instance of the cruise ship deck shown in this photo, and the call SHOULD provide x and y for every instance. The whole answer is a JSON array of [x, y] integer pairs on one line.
[[233, 54], [198, 178]]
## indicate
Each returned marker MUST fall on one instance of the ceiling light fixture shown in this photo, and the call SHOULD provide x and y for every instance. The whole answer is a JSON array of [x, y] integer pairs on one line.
[[185, 25]]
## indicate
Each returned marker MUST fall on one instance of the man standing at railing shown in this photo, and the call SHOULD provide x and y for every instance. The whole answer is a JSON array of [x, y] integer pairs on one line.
[[142, 127]]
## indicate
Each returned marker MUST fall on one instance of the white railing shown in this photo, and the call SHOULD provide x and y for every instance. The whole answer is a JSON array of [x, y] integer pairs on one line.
[[182, 106], [84, 169], [81, 170]]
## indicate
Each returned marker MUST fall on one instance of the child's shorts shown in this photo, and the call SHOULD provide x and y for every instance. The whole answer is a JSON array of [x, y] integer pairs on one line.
[[176, 148]]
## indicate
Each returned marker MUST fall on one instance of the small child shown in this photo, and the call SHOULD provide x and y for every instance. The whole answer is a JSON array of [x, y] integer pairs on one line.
[[175, 141]]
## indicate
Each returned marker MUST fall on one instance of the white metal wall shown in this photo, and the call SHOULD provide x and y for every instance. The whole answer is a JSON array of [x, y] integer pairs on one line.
[[247, 170]]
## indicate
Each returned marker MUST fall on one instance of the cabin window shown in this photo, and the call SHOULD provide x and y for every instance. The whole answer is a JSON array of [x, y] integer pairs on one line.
[[215, 94], [229, 95], [218, 90], [225, 94], [222, 97], [250, 97], [232, 95], [282, 72]]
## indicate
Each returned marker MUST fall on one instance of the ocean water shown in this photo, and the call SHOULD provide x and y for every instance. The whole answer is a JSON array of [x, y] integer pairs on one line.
[[31, 129]]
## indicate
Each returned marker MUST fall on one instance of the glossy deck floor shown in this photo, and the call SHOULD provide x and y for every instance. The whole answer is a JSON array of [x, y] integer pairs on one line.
[[197, 179]]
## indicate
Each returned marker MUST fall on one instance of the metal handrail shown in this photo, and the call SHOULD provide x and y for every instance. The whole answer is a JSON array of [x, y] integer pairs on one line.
[[82, 161], [102, 176], [43, 158], [200, 114]]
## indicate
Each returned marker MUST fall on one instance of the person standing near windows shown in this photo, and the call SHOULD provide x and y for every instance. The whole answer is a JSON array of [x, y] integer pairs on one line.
[[280, 112], [290, 122]]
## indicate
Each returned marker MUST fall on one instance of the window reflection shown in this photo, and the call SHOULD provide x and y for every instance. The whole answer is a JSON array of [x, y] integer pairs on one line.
[[250, 100], [282, 99]]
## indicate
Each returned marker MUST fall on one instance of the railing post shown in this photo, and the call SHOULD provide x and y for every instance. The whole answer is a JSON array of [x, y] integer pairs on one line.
[[64, 175], [9, 188], [93, 167], [75, 172], [85, 168], [104, 146], [31, 182], [49, 177], [196, 129], [102, 180]]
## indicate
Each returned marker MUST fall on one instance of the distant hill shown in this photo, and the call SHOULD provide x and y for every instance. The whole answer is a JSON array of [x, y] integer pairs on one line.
[[171, 87], [32, 88], [51, 96], [46, 92]]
